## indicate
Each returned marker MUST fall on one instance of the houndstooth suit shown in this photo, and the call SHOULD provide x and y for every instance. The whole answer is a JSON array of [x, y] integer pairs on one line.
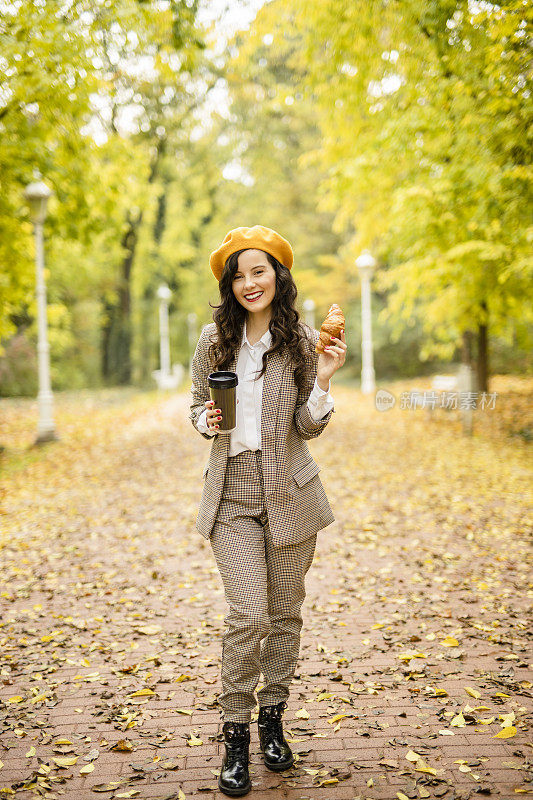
[[296, 502], [261, 511]]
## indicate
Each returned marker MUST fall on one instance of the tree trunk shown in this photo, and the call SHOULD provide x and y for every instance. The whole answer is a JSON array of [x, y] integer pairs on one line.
[[466, 352], [483, 354], [117, 334]]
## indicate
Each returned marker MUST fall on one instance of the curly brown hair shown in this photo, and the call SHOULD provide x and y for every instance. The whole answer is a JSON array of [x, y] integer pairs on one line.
[[285, 326]]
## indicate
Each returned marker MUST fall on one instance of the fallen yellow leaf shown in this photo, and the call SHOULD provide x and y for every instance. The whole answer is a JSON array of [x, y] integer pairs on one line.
[[506, 733], [458, 721], [67, 761], [421, 767], [149, 630], [449, 641], [409, 655], [336, 718]]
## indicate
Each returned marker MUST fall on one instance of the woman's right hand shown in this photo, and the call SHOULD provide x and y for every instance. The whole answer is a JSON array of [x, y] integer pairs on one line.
[[213, 417]]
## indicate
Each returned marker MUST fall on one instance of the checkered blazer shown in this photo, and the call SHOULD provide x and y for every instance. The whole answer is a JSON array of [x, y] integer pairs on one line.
[[297, 504]]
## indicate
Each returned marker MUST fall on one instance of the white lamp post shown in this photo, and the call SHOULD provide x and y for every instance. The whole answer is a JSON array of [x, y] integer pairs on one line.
[[37, 195], [164, 376], [309, 310], [365, 263]]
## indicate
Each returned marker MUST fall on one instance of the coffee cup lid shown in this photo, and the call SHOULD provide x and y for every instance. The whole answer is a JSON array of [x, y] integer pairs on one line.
[[223, 380]]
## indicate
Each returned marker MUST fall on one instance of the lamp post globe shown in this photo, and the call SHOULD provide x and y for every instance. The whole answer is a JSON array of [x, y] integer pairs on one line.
[[37, 195], [365, 264], [164, 293]]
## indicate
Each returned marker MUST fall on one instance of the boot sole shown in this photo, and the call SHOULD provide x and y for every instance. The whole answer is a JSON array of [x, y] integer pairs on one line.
[[236, 792], [278, 767]]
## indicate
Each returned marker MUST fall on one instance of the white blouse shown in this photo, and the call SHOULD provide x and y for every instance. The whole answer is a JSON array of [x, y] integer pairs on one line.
[[247, 433]]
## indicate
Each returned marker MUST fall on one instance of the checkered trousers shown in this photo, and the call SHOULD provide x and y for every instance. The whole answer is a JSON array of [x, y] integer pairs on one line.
[[264, 587]]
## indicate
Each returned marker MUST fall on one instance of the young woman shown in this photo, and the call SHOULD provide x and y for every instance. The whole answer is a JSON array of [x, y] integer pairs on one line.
[[262, 502]]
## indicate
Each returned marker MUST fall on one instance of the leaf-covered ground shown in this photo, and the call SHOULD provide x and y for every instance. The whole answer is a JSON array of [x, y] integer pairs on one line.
[[415, 674]]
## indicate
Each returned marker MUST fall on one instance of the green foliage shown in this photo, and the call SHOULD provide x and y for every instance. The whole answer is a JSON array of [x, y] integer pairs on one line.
[[403, 127], [89, 90], [270, 126], [43, 93], [425, 110]]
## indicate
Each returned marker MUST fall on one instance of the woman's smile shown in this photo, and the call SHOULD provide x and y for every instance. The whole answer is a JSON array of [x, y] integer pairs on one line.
[[253, 297]]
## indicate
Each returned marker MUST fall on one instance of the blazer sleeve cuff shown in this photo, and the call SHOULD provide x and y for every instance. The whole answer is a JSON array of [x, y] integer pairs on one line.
[[320, 402]]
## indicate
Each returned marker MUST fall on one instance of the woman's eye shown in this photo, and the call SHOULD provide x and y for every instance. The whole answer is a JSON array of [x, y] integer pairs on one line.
[[259, 272]]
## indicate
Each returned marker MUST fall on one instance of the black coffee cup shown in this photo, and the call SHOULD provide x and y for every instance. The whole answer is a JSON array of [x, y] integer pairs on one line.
[[222, 388]]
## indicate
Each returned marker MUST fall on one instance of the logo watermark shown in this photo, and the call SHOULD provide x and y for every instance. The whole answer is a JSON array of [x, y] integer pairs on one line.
[[384, 400]]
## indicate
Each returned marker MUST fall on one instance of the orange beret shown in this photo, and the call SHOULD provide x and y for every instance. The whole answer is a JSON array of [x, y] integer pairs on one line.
[[256, 238]]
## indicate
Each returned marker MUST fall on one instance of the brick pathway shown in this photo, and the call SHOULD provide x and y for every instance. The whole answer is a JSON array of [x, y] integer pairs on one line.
[[414, 647]]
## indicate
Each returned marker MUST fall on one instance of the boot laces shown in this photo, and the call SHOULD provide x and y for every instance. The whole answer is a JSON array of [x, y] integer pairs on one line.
[[271, 720], [236, 739]]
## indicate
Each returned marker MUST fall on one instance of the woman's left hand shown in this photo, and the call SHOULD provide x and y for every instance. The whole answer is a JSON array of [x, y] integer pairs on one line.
[[332, 358]]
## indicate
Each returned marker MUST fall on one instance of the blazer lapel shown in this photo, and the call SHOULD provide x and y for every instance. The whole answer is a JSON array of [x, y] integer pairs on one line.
[[272, 383]]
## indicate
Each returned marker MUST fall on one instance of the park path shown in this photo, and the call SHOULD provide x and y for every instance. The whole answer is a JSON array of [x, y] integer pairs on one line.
[[414, 659]]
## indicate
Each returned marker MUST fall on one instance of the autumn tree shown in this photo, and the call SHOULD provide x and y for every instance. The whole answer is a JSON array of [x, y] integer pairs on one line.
[[425, 110], [93, 93]]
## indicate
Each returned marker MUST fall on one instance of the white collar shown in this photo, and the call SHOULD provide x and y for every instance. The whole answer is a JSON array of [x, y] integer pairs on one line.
[[266, 338]]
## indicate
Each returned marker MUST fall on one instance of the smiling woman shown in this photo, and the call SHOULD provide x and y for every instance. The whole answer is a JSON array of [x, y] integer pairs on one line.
[[262, 502]]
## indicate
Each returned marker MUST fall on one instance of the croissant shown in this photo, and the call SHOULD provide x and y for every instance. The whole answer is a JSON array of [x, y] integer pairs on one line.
[[332, 326]]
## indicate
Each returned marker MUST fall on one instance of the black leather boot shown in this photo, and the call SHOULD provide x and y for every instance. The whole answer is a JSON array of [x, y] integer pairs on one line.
[[234, 779], [277, 754]]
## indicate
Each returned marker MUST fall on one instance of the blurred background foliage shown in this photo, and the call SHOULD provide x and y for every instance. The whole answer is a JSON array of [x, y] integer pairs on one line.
[[404, 128]]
